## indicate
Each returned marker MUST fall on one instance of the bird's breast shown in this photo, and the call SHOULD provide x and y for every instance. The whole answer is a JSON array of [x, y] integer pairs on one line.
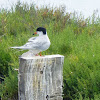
[[45, 44]]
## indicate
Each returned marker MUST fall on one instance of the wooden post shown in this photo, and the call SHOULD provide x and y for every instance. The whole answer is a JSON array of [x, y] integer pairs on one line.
[[41, 77]]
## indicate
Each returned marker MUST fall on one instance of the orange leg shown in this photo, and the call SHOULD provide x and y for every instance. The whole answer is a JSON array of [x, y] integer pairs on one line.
[[40, 54]]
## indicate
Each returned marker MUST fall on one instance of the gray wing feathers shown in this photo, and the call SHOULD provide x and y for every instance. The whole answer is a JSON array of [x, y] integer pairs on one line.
[[32, 44], [32, 39]]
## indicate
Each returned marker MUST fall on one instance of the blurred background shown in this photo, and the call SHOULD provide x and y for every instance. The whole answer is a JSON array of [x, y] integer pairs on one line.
[[73, 27], [85, 7]]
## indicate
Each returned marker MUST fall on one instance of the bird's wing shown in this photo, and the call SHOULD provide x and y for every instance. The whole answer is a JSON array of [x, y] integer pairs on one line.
[[29, 45], [32, 39], [35, 43]]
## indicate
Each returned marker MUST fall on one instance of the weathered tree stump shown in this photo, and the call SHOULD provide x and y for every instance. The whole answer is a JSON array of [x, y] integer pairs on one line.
[[41, 78]]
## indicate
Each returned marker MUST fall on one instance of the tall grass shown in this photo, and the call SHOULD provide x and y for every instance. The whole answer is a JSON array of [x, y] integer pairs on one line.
[[76, 38]]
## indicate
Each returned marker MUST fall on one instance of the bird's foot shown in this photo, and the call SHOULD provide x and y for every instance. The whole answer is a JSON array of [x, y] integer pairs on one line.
[[40, 54], [36, 55]]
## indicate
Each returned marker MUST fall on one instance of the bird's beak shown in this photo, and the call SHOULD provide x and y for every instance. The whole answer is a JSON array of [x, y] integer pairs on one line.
[[35, 33]]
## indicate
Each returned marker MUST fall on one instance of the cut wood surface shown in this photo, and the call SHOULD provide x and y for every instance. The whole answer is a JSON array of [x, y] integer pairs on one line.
[[41, 77]]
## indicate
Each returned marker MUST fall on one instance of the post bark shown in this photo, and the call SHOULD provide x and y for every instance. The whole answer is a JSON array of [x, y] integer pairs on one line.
[[41, 78]]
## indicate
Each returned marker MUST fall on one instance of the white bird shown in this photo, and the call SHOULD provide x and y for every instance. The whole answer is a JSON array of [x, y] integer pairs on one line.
[[37, 44]]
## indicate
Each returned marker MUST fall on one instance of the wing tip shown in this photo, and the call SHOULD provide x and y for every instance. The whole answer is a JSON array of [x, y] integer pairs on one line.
[[15, 47]]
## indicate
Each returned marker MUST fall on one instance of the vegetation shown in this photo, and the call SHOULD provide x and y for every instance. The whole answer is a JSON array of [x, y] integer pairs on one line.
[[74, 37]]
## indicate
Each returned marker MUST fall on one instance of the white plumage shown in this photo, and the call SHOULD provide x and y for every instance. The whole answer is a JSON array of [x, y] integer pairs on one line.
[[37, 44]]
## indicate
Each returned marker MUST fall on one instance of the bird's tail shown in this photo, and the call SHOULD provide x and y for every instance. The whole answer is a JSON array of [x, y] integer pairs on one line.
[[16, 47]]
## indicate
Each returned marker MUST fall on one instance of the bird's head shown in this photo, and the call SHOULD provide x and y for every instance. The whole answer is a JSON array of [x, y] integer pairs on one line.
[[40, 31]]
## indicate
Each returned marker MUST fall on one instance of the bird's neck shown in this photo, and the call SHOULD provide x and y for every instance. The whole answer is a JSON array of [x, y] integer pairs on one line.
[[42, 35]]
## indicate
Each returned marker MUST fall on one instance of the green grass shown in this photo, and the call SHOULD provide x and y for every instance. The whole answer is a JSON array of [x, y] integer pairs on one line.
[[76, 38]]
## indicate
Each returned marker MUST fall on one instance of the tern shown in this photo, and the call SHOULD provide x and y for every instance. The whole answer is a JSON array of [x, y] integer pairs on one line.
[[37, 44]]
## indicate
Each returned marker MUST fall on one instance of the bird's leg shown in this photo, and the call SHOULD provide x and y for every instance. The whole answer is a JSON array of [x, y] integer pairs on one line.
[[40, 54], [36, 55]]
